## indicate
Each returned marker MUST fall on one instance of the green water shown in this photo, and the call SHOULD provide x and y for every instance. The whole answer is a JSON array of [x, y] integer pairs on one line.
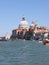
[[21, 52]]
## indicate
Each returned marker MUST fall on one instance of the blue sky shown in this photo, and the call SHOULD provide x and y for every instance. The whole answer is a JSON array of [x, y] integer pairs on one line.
[[12, 11]]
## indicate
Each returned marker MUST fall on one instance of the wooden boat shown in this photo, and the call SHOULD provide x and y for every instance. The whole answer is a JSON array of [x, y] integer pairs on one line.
[[46, 41]]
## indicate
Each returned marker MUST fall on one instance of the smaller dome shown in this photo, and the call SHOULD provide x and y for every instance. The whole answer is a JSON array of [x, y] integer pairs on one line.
[[33, 24]]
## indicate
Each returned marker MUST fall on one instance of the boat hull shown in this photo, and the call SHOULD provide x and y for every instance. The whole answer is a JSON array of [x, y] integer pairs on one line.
[[46, 42]]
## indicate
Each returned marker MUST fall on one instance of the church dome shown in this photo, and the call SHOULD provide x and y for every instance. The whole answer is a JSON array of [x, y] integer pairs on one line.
[[23, 24]]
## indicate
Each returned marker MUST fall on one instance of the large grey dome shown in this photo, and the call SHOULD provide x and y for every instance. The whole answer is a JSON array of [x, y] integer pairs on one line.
[[23, 24]]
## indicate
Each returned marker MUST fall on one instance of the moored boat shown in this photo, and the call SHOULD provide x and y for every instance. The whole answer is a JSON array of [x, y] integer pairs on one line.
[[2, 39], [46, 41]]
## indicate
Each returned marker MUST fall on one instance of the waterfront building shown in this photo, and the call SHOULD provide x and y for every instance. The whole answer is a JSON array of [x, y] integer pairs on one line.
[[21, 30], [29, 32]]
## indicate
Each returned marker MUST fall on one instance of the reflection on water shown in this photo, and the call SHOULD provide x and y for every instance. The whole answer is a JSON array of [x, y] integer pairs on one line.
[[22, 52]]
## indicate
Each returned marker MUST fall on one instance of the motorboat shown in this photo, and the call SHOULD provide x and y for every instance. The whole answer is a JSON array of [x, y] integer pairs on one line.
[[46, 41]]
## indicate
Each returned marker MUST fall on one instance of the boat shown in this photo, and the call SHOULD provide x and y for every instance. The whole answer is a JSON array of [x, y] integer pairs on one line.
[[46, 41], [2, 39]]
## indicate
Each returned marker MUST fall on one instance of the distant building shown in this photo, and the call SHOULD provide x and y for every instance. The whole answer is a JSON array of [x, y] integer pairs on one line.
[[7, 37]]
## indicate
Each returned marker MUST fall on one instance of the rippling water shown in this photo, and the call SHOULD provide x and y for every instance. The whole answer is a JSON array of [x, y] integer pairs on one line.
[[21, 52]]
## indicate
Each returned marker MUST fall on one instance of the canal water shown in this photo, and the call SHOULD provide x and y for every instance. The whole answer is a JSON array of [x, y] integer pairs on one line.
[[22, 52]]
